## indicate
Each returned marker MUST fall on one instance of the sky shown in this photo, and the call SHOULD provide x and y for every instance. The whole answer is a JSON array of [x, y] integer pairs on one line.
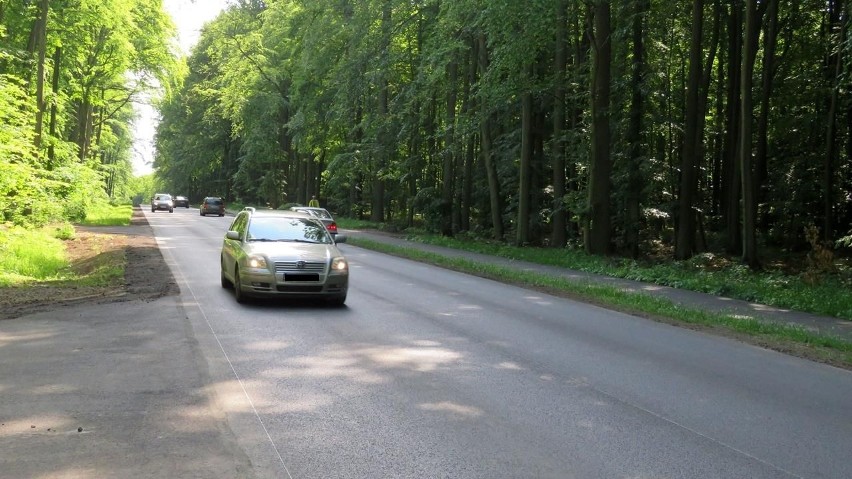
[[189, 16]]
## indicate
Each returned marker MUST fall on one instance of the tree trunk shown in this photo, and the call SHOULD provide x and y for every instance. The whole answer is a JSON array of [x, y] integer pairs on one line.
[[57, 57], [377, 210], [768, 74], [487, 154], [685, 244], [831, 149], [559, 216], [598, 225], [448, 156], [41, 46], [634, 128], [524, 184], [730, 158], [752, 29]]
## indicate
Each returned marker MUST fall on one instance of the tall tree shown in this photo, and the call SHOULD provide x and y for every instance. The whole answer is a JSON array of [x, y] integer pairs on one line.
[[746, 153], [685, 245], [634, 129], [598, 225], [560, 67]]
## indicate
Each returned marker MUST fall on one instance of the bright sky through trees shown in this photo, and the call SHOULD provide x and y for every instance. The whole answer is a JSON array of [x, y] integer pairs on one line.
[[189, 16]]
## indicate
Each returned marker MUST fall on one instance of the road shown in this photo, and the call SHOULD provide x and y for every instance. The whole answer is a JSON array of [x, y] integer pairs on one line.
[[429, 373]]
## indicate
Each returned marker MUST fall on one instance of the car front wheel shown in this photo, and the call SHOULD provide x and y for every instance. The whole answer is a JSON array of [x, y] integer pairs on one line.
[[238, 287], [225, 283], [337, 300]]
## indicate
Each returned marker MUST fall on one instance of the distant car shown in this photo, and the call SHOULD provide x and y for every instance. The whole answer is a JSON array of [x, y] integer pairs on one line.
[[283, 254], [181, 201], [162, 201], [320, 213], [212, 205]]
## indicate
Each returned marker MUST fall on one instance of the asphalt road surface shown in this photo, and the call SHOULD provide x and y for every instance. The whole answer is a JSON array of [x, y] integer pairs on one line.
[[428, 373]]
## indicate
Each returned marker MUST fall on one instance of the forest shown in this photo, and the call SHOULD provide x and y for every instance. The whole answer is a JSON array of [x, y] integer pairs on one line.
[[631, 127], [70, 71]]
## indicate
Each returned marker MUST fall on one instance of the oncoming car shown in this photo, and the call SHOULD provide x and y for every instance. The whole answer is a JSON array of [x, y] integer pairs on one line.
[[162, 201], [283, 254]]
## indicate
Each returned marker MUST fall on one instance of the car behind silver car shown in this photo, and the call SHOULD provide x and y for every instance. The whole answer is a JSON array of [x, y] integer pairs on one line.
[[283, 254]]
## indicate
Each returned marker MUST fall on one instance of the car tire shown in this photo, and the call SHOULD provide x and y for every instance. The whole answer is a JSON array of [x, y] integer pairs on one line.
[[201, 213], [225, 283], [238, 287], [153, 209], [171, 210], [337, 300], [223, 214]]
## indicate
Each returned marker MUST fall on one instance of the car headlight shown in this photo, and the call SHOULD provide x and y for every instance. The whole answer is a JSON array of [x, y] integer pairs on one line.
[[339, 265], [257, 262]]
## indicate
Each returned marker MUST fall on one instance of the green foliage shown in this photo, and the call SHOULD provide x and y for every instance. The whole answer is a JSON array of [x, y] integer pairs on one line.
[[381, 107], [76, 151], [64, 231]]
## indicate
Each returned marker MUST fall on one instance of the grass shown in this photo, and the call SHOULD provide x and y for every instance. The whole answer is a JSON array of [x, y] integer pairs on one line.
[[30, 257], [105, 214], [786, 338], [704, 273]]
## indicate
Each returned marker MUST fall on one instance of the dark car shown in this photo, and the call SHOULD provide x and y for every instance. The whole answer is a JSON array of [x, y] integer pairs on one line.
[[162, 201], [181, 201], [283, 254], [322, 214], [212, 205]]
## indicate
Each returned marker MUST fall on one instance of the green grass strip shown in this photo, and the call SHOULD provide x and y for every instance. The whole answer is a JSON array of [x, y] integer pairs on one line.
[[826, 348], [108, 215]]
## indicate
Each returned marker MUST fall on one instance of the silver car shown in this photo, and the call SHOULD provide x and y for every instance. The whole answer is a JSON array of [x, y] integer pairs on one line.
[[162, 201], [283, 254]]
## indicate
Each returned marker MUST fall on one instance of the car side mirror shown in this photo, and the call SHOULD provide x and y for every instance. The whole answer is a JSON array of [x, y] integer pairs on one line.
[[233, 235], [340, 238]]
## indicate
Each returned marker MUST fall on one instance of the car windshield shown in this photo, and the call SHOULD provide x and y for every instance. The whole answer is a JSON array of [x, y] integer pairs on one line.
[[213, 201], [164, 197], [303, 230]]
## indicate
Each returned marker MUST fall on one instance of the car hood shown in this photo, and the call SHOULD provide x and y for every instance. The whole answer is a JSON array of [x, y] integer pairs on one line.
[[292, 251]]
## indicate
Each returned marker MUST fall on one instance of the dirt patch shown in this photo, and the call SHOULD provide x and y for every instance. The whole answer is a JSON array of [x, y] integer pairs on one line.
[[146, 274]]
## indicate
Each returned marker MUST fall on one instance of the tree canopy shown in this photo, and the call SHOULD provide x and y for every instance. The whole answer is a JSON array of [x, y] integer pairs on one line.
[[70, 71]]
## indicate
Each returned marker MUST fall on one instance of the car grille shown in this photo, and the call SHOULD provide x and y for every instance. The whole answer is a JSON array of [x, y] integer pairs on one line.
[[299, 267]]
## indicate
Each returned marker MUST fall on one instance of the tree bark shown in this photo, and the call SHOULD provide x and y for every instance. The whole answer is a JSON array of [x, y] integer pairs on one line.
[[752, 30], [524, 183], [731, 192], [448, 156], [831, 148], [57, 60], [598, 225], [685, 244], [559, 216], [41, 46], [634, 128], [486, 128]]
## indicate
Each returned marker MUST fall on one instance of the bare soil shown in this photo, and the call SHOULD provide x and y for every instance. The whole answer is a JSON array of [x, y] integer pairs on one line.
[[146, 274]]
